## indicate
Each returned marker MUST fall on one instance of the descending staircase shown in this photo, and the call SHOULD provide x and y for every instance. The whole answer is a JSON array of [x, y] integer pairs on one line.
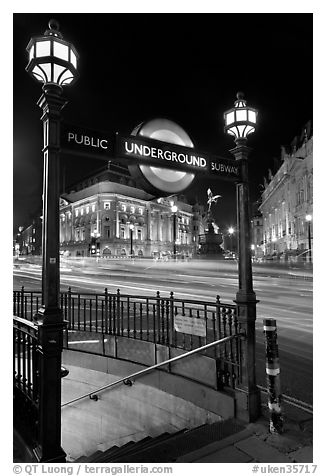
[[166, 447]]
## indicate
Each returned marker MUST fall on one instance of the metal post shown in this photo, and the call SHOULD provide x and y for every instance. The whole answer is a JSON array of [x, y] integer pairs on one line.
[[131, 237], [248, 395], [174, 235], [309, 241], [273, 377], [49, 317]]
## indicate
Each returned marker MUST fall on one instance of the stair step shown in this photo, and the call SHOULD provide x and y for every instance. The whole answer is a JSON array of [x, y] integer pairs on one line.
[[137, 452], [180, 444], [111, 452]]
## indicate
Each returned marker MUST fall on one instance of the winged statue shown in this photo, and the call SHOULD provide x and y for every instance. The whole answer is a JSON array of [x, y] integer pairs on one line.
[[211, 199]]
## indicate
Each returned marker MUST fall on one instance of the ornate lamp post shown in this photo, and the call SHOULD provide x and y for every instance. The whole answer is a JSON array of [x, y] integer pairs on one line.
[[240, 121], [52, 61], [174, 210], [308, 220], [131, 227]]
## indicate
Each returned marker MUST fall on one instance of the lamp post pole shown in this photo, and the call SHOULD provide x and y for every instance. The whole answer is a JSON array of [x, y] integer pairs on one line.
[[308, 219], [131, 239], [49, 317], [174, 209], [231, 231], [52, 60], [248, 396]]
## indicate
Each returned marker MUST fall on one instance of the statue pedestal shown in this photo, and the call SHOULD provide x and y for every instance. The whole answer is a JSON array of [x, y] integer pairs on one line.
[[210, 243]]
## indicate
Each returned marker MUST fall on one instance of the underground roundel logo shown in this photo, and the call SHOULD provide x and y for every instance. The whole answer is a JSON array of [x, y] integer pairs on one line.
[[158, 179]]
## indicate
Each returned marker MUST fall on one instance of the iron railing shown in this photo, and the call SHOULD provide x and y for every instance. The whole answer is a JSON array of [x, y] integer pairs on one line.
[[25, 372], [25, 344], [92, 317]]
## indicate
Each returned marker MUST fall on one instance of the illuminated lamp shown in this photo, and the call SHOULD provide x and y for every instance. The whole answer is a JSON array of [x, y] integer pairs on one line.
[[240, 121], [52, 60]]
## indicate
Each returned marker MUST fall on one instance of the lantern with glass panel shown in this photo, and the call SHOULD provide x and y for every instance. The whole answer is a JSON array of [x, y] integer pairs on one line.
[[240, 121], [52, 60]]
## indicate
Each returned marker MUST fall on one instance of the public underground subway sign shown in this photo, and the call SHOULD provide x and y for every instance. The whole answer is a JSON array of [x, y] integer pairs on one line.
[[159, 153]]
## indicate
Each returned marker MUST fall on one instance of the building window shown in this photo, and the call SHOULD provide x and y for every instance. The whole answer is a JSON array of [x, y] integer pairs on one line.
[[76, 212], [87, 209], [122, 232], [132, 209], [107, 232], [106, 205], [139, 234], [123, 207], [33, 231], [82, 211], [140, 211], [93, 207]]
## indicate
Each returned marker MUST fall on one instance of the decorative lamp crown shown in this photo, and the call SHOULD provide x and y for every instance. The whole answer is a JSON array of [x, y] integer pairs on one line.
[[52, 60], [240, 121]]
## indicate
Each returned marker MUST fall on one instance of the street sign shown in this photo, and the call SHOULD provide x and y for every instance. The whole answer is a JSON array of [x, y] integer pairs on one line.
[[161, 154], [145, 151], [83, 141], [190, 325]]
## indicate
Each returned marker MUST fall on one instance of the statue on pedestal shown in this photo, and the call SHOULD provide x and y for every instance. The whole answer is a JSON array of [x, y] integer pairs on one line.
[[210, 242]]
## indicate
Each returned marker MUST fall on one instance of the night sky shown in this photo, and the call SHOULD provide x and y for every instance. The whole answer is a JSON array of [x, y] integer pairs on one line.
[[185, 67]]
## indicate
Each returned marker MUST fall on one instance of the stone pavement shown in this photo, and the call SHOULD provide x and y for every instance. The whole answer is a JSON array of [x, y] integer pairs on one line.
[[257, 445]]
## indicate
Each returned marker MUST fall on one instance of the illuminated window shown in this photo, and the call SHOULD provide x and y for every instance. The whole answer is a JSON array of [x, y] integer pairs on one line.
[[141, 211], [76, 212], [123, 207], [106, 205], [87, 209], [93, 207], [132, 209], [82, 211]]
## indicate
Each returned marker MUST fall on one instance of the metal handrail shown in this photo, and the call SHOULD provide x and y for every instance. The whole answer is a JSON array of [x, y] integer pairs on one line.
[[127, 380]]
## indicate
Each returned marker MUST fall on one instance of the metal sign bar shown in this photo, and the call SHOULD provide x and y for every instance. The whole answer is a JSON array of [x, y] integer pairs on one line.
[[109, 146]]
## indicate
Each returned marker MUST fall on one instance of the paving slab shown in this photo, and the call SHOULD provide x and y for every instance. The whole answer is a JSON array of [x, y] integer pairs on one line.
[[230, 454], [261, 451], [303, 455]]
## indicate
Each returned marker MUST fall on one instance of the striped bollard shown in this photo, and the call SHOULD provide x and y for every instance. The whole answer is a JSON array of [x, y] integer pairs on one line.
[[273, 376]]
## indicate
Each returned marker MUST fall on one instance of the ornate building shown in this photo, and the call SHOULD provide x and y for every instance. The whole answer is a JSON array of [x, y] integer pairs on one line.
[[108, 216], [287, 201], [28, 240]]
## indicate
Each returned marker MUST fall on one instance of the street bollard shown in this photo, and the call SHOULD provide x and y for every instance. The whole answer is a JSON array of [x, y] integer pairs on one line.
[[273, 377]]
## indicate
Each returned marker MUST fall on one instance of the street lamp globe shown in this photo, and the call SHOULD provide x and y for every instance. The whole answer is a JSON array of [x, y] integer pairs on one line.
[[231, 230], [308, 217], [174, 209], [240, 121], [131, 226], [52, 60]]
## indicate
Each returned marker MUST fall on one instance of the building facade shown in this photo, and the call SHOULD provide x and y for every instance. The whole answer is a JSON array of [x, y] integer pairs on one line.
[[28, 240], [108, 216], [287, 201]]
